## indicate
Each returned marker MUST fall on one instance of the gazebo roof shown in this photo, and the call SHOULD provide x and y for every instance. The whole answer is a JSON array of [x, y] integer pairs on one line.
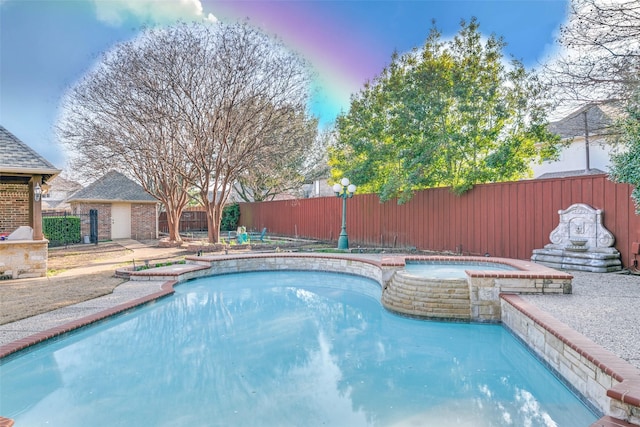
[[113, 187], [17, 158]]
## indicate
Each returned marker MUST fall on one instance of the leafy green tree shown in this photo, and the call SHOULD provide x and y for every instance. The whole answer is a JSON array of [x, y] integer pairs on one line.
[[625, 165], [449, 114]]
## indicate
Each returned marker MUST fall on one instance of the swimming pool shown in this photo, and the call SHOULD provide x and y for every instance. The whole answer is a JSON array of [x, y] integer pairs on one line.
[[283, 348]]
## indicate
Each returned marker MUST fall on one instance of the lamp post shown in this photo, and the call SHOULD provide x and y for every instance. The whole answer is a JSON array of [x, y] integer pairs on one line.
[[345, 190]]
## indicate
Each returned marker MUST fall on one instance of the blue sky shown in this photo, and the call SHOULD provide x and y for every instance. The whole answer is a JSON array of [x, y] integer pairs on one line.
[[47, 45]]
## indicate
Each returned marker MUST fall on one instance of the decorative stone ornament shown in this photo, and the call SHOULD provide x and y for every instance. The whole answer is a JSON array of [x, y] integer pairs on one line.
[[580, 242], [581, 225]]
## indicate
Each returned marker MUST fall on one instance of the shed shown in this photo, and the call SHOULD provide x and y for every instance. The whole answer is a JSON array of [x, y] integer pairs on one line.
[[125, 209]]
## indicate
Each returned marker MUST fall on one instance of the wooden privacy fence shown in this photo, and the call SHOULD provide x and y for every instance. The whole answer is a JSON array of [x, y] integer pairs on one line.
[[192, 219], [502, 219]]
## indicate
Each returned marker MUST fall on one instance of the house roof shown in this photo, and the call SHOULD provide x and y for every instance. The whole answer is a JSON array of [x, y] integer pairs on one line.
[[567, 174], [62, 185], [16, 157], [600, 119], [113, 187]]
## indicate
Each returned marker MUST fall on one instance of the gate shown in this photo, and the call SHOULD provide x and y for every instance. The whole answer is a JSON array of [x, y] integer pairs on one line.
[[62, 229], [93, 226]]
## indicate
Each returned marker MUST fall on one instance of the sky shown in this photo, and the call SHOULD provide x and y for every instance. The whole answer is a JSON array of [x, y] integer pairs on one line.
[[46, 46]]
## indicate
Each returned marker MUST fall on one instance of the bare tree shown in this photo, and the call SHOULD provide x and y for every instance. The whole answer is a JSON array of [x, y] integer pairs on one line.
[[128, 114], [283, 166], [184, 107], [600, 59], [254, 87]]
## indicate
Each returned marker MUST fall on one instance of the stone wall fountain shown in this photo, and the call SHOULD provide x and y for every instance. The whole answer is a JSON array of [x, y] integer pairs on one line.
[[580, 242]]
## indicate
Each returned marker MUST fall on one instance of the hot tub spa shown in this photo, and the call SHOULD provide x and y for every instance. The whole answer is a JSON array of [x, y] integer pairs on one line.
[[465, 288]]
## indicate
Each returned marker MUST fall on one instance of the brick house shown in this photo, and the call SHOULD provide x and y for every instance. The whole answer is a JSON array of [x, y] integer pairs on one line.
[[125, 210], [23, 176]]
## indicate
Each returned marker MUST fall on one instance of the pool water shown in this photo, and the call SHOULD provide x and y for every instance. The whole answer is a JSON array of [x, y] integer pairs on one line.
[[283, 349], [452, 270]]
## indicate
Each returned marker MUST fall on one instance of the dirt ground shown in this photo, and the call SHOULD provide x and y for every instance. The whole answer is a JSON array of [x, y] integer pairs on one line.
[[28, 297], [61, 259]]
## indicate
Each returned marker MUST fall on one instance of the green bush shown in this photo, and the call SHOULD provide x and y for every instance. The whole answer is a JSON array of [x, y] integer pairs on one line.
[[230, 217], [62, 229]]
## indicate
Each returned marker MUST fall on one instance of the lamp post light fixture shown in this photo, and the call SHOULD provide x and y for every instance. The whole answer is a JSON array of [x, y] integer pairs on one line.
[[345, 190]]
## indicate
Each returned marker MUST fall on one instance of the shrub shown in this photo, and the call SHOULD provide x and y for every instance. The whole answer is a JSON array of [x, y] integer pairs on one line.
[[230, 217], [64, 229]]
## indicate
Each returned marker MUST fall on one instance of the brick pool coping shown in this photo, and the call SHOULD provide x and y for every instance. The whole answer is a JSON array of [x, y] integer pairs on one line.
[[524, 269], [23, 343], [567, 351], [627, 389]]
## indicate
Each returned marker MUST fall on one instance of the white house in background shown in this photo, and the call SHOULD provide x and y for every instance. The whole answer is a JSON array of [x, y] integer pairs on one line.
[[588, 151], [57, 191], [318, 188]]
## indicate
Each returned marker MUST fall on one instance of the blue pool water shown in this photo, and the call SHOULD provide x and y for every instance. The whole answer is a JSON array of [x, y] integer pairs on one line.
[[283, 349], [452, 270]]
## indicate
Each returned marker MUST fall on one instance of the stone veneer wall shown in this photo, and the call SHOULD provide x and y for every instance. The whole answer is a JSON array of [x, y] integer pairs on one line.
[[221, 265], [427, 298], [14, 206], [593, 371], [480, 302], [485, 292], [144, 223], [475, 298], [104, 218], [20, 259]]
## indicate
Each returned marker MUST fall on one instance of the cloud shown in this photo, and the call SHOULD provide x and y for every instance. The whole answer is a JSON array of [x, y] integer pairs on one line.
[[115, 12]]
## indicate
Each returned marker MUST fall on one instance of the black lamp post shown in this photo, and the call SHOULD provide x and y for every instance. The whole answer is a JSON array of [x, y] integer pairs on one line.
[[344, 190]]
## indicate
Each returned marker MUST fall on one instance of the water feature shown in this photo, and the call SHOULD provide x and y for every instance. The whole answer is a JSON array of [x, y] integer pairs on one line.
[[283, 348], [580, 242]]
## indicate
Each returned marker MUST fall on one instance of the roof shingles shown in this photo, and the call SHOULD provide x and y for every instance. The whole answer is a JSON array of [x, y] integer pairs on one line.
[[15, 156], [113, 187]]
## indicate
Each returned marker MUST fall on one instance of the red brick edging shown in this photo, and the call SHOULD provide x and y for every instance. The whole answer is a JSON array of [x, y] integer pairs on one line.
[[21, 344], [627, 390], [611, 422]]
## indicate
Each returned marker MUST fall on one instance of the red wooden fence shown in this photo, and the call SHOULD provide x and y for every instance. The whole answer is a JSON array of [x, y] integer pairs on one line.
[[192, 219], [503, 219]]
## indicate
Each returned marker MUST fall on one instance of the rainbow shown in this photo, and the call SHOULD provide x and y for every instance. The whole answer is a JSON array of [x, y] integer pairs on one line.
[[342, 58]]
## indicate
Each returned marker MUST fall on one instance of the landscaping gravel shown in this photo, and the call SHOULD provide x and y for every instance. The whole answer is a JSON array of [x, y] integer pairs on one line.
[[604, 307]]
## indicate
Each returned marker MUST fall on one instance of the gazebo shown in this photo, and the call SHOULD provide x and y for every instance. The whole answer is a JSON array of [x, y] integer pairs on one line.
[[23, 176]]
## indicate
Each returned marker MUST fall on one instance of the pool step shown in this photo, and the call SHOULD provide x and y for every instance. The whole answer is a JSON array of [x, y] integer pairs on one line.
[[428, 298]]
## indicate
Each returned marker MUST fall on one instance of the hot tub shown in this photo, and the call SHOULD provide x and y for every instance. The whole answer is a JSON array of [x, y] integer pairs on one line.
[[464, 288]]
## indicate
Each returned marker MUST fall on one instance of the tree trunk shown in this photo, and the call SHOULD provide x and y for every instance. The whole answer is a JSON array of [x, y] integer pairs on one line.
[[173, 223], [214, 215]]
